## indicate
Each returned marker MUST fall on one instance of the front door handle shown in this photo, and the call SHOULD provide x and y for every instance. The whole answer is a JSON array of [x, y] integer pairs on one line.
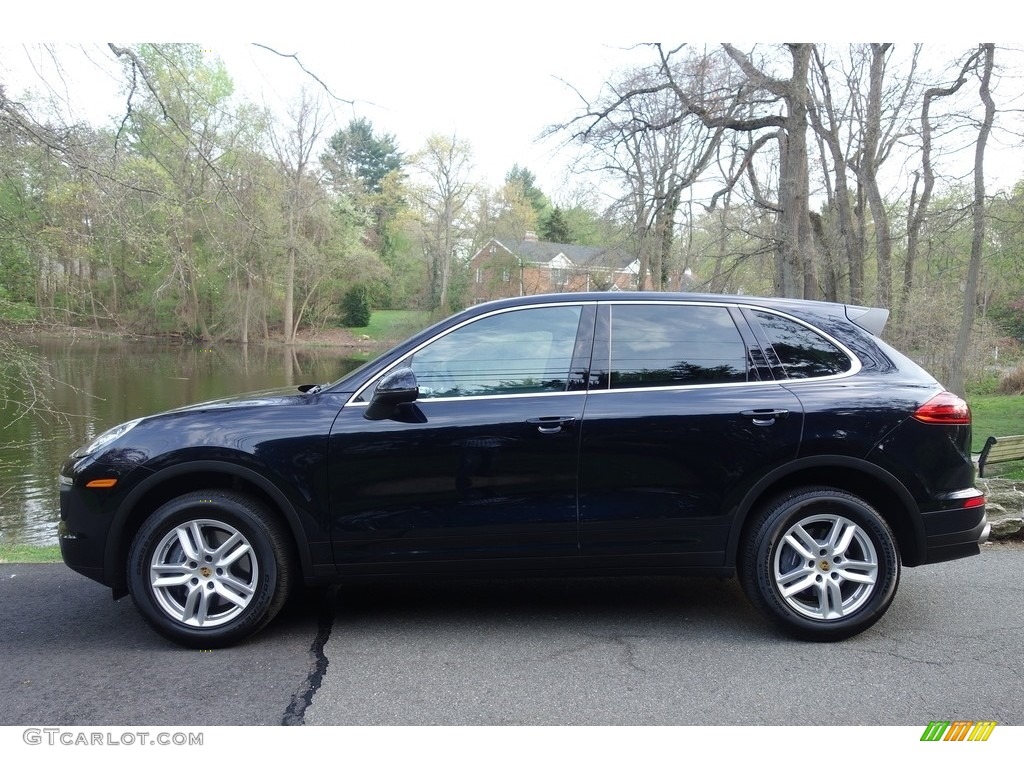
[[551, 425], [765, 417]]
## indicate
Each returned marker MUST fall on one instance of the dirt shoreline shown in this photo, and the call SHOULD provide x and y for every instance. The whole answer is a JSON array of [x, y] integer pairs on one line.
[[325, 337]]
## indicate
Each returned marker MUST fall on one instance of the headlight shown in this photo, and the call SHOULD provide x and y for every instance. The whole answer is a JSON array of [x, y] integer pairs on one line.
[[105, 439]]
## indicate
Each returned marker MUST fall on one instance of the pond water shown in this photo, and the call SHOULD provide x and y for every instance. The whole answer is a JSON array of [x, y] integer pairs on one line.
[[102, 383]]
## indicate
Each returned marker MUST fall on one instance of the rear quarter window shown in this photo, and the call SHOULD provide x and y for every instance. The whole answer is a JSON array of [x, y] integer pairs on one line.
[[802, 352]]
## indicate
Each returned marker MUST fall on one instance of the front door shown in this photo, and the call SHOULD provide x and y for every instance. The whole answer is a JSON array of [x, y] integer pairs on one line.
[[482, 468]]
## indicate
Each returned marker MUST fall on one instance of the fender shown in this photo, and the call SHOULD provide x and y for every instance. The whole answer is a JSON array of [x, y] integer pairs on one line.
[[757, 493], [112, 562]]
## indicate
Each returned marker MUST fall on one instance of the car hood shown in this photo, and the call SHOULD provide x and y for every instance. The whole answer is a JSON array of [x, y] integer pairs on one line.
[[263, 398]]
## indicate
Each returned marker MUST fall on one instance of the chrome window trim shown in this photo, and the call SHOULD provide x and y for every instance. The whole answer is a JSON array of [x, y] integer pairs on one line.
[[682, 387], [855, 366], [517, 396]]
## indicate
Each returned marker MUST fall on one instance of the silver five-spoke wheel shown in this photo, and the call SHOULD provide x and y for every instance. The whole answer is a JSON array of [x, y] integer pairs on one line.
[[821, 562], [209, 568], [203, 573], [825, 567]]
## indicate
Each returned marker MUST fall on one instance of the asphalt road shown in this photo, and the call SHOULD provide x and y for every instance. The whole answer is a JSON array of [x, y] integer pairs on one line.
[[69, 655], [582, 652]]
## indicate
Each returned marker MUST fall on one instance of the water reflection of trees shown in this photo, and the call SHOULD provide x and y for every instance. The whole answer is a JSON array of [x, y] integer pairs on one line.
[[93, 385]]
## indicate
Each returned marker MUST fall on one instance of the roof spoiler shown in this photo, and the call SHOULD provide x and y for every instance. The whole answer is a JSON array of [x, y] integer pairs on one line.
[[871, 319]]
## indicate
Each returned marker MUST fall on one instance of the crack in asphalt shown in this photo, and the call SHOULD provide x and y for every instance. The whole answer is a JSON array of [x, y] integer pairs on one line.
[[295, 714], [621, 642], [629, 650], [915, 652]]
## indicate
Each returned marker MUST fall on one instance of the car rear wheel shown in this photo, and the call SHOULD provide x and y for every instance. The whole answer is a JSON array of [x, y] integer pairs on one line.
[[209, 568], [822, 563]]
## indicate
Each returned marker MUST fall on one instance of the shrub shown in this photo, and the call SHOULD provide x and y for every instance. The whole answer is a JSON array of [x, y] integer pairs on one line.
[[1010, 317], [355, 307], [1013, 382]]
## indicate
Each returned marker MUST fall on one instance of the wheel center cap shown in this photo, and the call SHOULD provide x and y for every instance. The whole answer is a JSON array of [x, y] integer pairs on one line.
[[824, 565], [206, 572]]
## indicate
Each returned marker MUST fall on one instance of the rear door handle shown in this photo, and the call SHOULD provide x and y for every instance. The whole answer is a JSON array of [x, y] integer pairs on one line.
[[551, 425], [765, 417]]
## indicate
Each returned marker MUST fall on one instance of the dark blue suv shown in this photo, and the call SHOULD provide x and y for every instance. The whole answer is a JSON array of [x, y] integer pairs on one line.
[[610, 433]]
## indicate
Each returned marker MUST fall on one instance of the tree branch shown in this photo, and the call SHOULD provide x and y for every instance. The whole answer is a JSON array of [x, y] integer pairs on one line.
[[295, 56]]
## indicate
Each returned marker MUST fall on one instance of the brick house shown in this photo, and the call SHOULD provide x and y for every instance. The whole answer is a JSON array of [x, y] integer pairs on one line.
[[532, 266]]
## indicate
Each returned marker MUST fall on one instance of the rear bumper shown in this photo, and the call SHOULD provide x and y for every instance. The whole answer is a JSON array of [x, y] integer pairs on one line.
[[954, 533]]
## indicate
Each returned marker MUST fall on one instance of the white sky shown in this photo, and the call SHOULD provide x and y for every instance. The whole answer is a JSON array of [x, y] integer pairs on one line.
[[494, 74]]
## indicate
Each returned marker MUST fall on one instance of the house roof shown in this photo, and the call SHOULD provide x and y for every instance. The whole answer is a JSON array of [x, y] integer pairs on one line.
[[541, 252]]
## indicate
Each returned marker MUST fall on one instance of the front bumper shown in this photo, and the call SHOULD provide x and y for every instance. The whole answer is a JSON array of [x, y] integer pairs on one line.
[[82, 533]]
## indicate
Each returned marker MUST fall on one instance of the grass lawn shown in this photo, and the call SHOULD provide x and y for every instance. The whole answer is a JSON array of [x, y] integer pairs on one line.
[[997, 415], [393, 325], [24, 553]]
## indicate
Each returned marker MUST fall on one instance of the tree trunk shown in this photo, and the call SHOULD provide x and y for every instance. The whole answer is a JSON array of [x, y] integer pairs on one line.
[[246, 309], [958, 372], [869, 170], [918, 208], [795, 272], [289, 278]]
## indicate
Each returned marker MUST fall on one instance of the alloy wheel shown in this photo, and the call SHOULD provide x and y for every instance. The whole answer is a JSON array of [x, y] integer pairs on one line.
[[203, 573], [825, 567]]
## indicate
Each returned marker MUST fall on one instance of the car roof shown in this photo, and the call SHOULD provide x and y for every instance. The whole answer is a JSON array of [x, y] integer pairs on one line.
[[871, 319]]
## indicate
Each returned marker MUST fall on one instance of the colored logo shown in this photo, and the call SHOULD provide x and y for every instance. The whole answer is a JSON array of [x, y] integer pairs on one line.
[[958, 730]]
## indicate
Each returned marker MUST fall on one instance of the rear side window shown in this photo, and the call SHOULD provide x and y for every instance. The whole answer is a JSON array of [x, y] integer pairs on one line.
[[666, 345], [803, 352]]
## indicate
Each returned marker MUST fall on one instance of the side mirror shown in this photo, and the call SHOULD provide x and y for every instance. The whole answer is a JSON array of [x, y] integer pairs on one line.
[[397, 387]]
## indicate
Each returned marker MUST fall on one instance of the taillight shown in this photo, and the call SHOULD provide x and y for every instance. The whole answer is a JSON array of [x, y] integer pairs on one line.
[[944, 408]]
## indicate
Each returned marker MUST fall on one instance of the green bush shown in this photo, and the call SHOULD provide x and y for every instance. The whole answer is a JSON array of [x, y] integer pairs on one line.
[[355, 307], [1010, 317]]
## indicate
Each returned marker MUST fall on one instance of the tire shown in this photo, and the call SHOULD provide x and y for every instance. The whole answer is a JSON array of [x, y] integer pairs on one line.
[[209, 568], [821, 563]]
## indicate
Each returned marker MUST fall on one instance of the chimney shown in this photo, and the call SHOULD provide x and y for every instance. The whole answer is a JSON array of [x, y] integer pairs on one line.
[[530, 236]]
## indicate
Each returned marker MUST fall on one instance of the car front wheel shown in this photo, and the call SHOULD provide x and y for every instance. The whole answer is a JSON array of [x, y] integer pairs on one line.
[[209, 568], [822, 563]]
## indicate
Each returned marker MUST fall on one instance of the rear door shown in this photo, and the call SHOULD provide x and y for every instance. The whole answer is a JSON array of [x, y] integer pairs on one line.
[[682, 417]]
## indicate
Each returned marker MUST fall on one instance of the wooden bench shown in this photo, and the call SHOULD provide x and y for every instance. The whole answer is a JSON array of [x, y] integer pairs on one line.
[[998, 450]]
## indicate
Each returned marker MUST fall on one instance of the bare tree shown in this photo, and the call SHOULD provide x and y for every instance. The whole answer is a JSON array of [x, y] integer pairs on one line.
[[445, 164], [828, 119], [744, 97], [883, 118], [920, 200], [639, 133], [294, 149], [957, 378]]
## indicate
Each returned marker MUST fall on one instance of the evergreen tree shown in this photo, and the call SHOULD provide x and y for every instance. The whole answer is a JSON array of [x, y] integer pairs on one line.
[[355, 307], [359, 157], [527, 183], [555, 228]]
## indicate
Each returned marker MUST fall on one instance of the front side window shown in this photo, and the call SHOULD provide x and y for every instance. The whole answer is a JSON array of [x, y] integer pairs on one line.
[[802, 351], [519, 352], [666, 345]]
